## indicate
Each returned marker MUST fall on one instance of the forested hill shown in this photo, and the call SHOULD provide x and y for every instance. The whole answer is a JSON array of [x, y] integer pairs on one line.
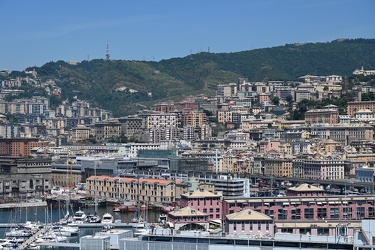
[[124, 86]]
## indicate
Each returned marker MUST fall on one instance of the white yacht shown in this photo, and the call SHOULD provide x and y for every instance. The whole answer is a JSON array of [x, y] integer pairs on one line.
[[18, 232], [65, 230], [79, 217], [107, 218], [53, 237]]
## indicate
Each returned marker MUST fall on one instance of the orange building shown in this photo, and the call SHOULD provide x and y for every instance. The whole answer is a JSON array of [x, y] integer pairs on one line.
[[194, 118], [330, 116], [19, 146], [164, 107], [353, 107]]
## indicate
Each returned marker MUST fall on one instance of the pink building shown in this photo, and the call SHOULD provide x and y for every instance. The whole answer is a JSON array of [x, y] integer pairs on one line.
[[318, 228], [268, 146], [203, 201], [306, 207], [264, 98], [188, 218], [249, 222], [305, 190]]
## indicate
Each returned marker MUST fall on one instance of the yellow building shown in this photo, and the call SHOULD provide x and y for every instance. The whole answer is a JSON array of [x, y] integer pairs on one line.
[[136, 189], [80, 133], [279, 167], [224, 116], [286, 148], [228, 162]]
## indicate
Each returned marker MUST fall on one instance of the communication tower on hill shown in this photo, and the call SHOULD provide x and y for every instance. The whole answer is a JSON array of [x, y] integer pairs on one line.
[[107, 56]]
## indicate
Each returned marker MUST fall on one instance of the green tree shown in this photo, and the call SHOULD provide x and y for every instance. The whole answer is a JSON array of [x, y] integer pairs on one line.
[[276, 100], [289, 99]]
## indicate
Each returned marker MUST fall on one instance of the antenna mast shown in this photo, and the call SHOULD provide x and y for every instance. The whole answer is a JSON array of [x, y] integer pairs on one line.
[[107, 56]]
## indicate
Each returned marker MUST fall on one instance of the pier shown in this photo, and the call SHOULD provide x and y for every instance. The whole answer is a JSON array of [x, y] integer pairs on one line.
[[112, 225], [35, 236], [8, 206]]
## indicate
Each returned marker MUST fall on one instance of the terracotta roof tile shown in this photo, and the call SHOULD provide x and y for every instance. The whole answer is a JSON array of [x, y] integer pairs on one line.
[[126, 179]]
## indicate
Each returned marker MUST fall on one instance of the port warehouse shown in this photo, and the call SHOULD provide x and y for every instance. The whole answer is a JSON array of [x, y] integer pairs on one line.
[[176, 239], [168, 242]]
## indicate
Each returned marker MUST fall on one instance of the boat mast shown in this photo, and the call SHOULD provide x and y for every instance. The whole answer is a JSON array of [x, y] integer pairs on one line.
[[96, 202], [70, 165]]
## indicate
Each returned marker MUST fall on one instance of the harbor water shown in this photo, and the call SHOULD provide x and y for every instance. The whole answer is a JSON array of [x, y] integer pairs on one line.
[[49, 215]]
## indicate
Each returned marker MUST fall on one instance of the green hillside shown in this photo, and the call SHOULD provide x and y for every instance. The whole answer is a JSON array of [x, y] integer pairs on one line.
[[99, 81]]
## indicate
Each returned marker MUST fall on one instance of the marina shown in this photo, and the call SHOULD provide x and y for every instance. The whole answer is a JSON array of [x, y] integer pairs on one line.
[[13, 222]]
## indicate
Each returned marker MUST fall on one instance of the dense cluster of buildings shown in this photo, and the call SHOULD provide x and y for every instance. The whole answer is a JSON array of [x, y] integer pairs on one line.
[[201, 151], [241, 130]]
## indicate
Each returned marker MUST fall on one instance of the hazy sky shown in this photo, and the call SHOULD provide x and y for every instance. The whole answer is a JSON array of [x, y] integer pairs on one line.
[[36, 32]]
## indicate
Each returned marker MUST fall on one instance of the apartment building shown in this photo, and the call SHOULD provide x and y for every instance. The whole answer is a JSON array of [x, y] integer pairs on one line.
[[80, 133], [107, 129], [162, 120], [164, 107], [343, 133], [353, 107], [19, 146], [330, 116], [278, 167], [224, 116], [158, 134], [205, 132], [227, 90], [228, 161], [263, 97], [131, 125], [324, 169], [302, 94], [194, 118]]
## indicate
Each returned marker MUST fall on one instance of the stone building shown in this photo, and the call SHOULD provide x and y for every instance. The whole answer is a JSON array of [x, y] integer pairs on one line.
[[330, 116], [24, 177]]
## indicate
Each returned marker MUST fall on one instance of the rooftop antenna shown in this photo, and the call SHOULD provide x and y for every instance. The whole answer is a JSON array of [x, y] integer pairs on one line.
[[107, 52]]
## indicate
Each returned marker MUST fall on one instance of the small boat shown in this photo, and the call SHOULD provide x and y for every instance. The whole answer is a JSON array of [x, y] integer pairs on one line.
[[116, 209], [107, 218], [53, 237], [16, 240], [132, 208], [93, 218], [162, 219], [120, 208], [167, 209]]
